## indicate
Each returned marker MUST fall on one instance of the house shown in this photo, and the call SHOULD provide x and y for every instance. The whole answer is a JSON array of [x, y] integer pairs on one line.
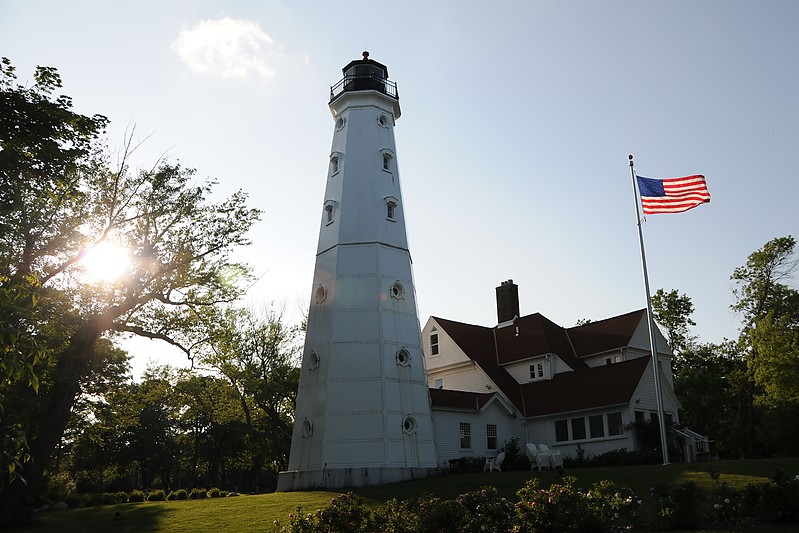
[[532, 379]]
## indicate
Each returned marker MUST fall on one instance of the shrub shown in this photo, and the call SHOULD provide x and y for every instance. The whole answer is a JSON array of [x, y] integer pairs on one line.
[[172, 495], [115, 497], [680, 506], [136, 496], [156, 496], [181, 494], [616, 508], [213, 492], [345, 514], [223, 493], [484, 510], [558, 508], [197, 494]]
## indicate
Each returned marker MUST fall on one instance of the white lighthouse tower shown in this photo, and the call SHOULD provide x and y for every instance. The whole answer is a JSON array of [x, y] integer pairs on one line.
[[363, 408]]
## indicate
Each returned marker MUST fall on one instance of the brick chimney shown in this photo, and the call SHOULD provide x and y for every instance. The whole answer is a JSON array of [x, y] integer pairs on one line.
[[507, 301]]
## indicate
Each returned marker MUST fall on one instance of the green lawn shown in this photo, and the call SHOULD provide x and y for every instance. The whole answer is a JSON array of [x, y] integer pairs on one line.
[[257, 513]]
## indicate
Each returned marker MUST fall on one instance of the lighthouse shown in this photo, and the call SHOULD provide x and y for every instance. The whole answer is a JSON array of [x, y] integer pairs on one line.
[[363, 407]]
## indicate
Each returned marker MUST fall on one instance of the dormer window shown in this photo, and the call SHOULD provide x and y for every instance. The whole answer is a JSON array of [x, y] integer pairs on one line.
[[536, 371]]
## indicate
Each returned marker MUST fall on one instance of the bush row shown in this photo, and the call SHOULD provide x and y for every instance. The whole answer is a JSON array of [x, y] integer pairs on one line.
[[108, 498], [561, 507]]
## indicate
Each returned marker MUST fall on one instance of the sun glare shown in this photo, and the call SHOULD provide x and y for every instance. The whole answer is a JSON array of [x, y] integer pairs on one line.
[[105, 262]]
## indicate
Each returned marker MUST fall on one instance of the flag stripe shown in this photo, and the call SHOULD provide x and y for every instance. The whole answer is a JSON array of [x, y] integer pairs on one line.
[[672, 195]]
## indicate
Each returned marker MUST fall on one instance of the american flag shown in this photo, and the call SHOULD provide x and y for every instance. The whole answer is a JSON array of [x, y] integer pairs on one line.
[[672, 195]]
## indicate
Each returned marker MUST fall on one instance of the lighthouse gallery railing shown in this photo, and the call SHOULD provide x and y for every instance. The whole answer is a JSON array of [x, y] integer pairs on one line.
[[362, 83]]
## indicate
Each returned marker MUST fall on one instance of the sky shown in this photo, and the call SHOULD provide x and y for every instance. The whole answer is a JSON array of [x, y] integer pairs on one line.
[[517, 120]]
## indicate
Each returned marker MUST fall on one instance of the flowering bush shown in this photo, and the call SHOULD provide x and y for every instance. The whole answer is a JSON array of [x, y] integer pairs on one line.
[[345, 514], [484, 510], [615, 507], [558, 508]]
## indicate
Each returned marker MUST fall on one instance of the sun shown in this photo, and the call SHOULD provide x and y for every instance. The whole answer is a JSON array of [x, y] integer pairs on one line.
[[106, 261]]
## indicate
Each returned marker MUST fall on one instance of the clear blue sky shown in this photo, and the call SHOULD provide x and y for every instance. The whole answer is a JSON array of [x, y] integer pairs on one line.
[[512, 146]]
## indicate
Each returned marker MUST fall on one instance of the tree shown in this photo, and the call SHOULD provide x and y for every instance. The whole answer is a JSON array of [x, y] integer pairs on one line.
[[673, 311], [759, 286], [59, 198], [775, 340], [258, 353]]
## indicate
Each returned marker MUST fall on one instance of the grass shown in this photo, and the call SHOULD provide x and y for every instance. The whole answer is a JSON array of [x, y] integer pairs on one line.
[[258, 512]]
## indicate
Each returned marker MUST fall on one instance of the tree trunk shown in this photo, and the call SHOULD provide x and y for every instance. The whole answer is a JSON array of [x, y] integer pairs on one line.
[[16, 502]]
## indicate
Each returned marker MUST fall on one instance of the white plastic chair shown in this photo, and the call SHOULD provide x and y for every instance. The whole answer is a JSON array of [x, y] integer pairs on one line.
[[555, 457], [493, 463], [538, 460]]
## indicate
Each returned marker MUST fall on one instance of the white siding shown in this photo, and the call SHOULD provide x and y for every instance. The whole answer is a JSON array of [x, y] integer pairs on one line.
[[644, 398], [542, 431], [446, 426]]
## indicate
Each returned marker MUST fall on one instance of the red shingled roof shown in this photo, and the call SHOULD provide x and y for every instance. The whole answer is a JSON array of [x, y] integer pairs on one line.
[[605, 335], [583, 388], [573, 391], [457, 399]]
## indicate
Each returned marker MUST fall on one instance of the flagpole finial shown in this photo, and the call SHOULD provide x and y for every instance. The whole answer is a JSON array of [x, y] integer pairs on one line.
[[630, 157]]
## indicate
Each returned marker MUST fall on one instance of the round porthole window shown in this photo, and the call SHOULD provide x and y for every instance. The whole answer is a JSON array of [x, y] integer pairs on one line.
[[403, 357], [307, 428], [320, 294], [409, 425], [313, 362], [340, 122], [397, 291], [383, 120]]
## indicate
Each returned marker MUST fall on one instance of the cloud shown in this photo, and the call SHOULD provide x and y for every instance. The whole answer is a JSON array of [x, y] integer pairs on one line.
[[226, 48]]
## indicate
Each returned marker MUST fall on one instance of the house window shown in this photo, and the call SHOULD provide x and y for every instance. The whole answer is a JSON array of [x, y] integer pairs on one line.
[[617, 359], [561, 431], [491, 436], [440, 383], [434, 344], [578, 428], [639, 417], [540, 369], [532, 371], [614, 423], [608, 361], [596, 426], [466, 435]]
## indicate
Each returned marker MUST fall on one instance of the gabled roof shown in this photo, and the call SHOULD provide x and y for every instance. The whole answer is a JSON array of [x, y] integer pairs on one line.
[[533, 335], [605, 335], [574, 391], [456, 399], [477, 342]]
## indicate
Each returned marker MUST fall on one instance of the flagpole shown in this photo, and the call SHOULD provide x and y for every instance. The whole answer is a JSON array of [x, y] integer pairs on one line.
[[651, 322]]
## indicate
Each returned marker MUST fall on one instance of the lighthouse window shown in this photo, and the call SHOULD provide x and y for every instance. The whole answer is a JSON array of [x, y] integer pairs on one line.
[[409, 425], [397, 291], [403, 357], [334, 164], [387, 162], [307, 428], [330, 207], [390, 208]]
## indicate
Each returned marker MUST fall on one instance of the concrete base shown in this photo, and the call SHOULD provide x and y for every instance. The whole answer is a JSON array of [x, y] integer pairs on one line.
[[339, 478]]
